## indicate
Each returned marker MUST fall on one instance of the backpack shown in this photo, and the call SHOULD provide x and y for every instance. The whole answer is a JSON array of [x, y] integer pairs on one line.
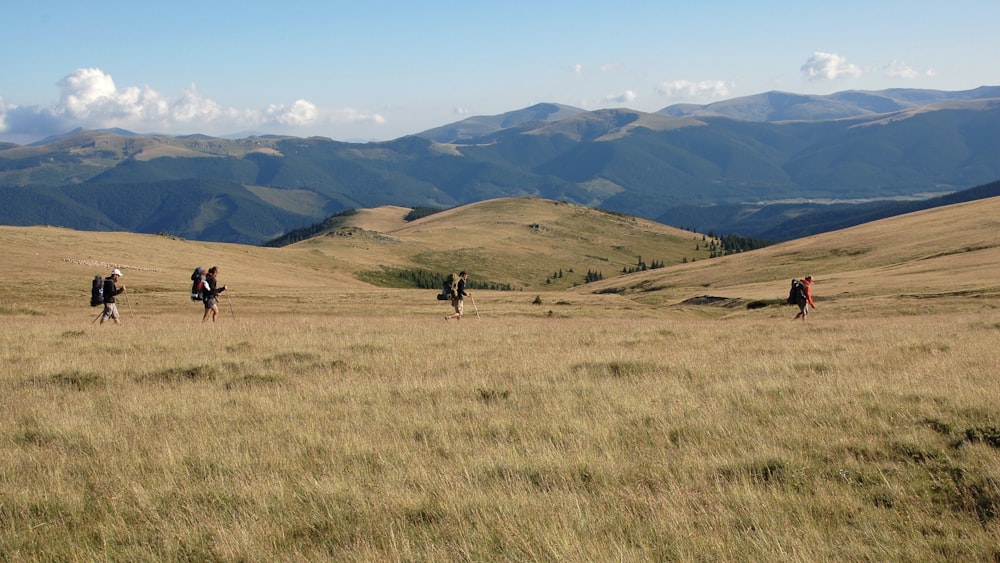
[[97, 291], [797, 293], [449, 289], [198, 284]]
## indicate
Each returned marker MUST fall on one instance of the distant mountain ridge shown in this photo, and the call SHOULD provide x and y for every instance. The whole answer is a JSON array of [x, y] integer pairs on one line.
[[645, 164], [479, 126], [783, 106]]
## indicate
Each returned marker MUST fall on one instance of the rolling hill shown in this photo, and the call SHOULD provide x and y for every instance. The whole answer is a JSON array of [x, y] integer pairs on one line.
[[948, 253]]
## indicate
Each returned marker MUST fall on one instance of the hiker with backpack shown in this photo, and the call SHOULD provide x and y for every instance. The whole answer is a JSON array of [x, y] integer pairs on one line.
[[801, 294], [210, 293], [108, 293], [458, 293]]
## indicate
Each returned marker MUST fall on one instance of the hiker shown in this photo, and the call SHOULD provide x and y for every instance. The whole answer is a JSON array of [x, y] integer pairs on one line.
[[457, 300], [110, 290], [211, 294], [805, 298]]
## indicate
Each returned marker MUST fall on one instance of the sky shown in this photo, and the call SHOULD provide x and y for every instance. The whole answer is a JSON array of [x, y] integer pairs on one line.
[[382, 69]]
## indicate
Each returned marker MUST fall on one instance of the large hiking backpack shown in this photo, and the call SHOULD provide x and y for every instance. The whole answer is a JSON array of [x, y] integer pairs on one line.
[[449, 289], [198, 284], [97, 291], [797, 293]]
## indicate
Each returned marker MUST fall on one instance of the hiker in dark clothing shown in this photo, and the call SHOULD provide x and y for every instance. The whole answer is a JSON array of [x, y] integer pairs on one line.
[[211, 294], [805, 299], [110, 290], [457, 301]]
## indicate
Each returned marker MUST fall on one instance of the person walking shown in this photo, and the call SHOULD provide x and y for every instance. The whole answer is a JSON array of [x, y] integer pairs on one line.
[[805, 298], [457, 300], [111, 289], [211, 294]]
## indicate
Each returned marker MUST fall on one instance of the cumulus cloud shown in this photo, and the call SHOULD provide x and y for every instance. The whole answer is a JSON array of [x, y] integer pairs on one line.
[[626, 97], [577, 69], [89, 98], [705, 89], [901, 70], [829, 66], [298, 114]]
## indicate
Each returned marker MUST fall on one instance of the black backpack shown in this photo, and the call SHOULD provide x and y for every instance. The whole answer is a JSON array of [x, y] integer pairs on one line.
[[449, 289], [97, 291], [797, 293], [198, 284]]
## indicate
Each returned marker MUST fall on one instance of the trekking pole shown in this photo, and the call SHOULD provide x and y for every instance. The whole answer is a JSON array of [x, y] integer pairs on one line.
[[475, 307], [129, 302], [231, 310], [99, 315]]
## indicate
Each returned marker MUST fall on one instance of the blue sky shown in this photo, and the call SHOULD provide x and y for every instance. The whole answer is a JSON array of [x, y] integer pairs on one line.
[[381, 69]]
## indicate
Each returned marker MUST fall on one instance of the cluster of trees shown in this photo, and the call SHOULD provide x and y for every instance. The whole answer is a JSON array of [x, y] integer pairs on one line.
[[730, 244], [309, 231], [557, 275], [420, 212], [591, 276], [641, 266]]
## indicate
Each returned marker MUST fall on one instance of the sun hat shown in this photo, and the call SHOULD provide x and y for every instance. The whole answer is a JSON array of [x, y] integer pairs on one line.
[[116, 272]]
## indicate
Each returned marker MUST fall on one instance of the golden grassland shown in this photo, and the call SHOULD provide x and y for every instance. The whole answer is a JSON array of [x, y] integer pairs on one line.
[[517, 241], [324, 419]]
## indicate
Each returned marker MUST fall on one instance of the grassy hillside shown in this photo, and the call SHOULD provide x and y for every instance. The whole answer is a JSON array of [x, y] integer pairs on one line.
[[523, 242], [326, 419], [949, 253]]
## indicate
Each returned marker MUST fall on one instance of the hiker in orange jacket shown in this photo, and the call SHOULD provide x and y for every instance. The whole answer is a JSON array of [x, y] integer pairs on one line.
[[806, 300]]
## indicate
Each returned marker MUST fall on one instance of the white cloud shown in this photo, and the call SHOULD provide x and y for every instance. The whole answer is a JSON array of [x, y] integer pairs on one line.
[[578, 69], [89, 98], [625, 97], [461, 111], [829, 66], [705, 89], [298, 114], [899, 69], [350, 115]]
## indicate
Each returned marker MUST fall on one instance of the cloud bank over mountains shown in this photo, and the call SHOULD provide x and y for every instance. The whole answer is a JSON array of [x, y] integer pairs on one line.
[[89, 98]]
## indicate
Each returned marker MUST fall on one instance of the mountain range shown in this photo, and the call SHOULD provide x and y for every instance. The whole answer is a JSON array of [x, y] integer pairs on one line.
[[700, 167]]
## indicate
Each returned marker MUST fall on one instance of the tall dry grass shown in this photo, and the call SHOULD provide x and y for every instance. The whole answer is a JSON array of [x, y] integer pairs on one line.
[[328, 431]]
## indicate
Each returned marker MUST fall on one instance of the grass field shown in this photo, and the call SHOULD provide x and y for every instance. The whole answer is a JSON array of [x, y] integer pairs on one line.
[[323, 419]]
